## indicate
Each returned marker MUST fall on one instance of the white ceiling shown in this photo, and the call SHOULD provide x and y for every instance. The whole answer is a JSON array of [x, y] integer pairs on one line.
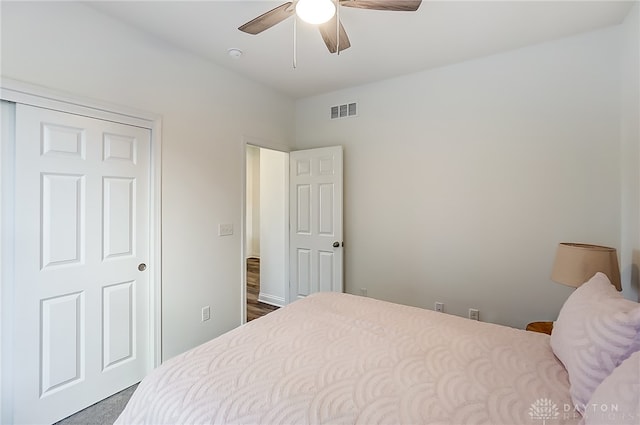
[[383, 44]]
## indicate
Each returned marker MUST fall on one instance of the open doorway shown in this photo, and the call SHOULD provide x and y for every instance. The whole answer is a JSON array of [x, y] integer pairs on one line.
[[266, 230]]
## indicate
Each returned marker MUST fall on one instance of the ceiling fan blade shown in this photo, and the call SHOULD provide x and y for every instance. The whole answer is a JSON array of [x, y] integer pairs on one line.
[[399, 5], [328, 32], [268, 19]]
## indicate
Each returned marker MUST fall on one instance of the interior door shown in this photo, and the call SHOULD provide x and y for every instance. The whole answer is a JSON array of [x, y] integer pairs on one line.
[[81, 289], [316, 254]]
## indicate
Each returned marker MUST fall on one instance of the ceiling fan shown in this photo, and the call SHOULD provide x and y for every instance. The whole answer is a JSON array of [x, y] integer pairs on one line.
[[323, 13]]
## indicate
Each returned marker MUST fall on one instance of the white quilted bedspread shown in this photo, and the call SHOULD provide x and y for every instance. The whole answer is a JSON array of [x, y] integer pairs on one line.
[[342, 359]]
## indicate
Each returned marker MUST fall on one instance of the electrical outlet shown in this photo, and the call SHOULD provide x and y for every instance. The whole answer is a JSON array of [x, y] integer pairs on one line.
[[206, 313], [440, 307], [474, 314], [363, 292], [225, 229]]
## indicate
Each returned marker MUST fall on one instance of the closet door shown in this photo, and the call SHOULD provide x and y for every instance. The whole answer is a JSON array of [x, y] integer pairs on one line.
[[81, 243]]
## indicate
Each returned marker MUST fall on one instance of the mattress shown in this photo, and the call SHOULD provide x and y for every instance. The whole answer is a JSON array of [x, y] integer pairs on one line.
[[342, 359]]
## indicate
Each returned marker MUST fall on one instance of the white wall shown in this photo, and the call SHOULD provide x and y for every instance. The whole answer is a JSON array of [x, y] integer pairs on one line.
[[461, 181], [630, 148], [206, 111], [252, 229], [274, 168]]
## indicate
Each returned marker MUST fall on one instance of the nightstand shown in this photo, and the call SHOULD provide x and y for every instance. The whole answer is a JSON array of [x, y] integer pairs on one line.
[[542, 327]]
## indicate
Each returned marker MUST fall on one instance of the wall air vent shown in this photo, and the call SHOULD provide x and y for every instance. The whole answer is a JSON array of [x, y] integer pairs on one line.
[[344, 111]]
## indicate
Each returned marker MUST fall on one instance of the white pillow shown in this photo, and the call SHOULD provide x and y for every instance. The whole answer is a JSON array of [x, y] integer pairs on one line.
[[596, 330], [617, 398]]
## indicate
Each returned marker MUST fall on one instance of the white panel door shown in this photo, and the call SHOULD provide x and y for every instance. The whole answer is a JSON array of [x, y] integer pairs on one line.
[[316, 221], [81, 230]]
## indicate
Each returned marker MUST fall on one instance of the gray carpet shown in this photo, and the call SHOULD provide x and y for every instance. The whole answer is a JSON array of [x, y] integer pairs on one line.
[[104, 412]]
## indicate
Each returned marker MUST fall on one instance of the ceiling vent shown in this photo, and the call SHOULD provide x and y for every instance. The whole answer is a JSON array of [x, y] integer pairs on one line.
[[344, 111]]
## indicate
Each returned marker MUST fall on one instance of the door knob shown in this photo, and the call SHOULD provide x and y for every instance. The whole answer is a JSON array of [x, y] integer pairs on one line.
[[336, 244], [142, 267]]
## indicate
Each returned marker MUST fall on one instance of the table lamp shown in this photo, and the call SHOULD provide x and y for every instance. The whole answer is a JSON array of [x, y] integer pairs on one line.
[[576, 263]]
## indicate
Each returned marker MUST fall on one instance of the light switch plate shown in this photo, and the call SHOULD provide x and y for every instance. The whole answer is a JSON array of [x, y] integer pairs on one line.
[[225, 229]]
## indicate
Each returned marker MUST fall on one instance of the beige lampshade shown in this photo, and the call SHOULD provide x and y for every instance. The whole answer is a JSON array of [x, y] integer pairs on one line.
[[576, 263]]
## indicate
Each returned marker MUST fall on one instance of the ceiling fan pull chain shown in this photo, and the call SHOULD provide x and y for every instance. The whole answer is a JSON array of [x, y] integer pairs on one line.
[[295, 42], [338, 27]]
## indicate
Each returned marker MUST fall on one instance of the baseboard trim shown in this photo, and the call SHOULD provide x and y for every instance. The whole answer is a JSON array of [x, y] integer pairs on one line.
[[271, 299]]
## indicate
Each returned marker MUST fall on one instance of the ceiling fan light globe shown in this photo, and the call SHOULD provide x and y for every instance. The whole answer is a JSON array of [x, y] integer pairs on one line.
[[315, 11]]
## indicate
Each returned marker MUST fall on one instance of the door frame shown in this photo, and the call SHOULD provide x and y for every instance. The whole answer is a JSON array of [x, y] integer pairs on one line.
[[34, 95], [266, 144]]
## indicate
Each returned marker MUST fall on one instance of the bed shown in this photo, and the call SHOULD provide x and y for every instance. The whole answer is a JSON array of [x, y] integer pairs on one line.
[[343, 359]]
